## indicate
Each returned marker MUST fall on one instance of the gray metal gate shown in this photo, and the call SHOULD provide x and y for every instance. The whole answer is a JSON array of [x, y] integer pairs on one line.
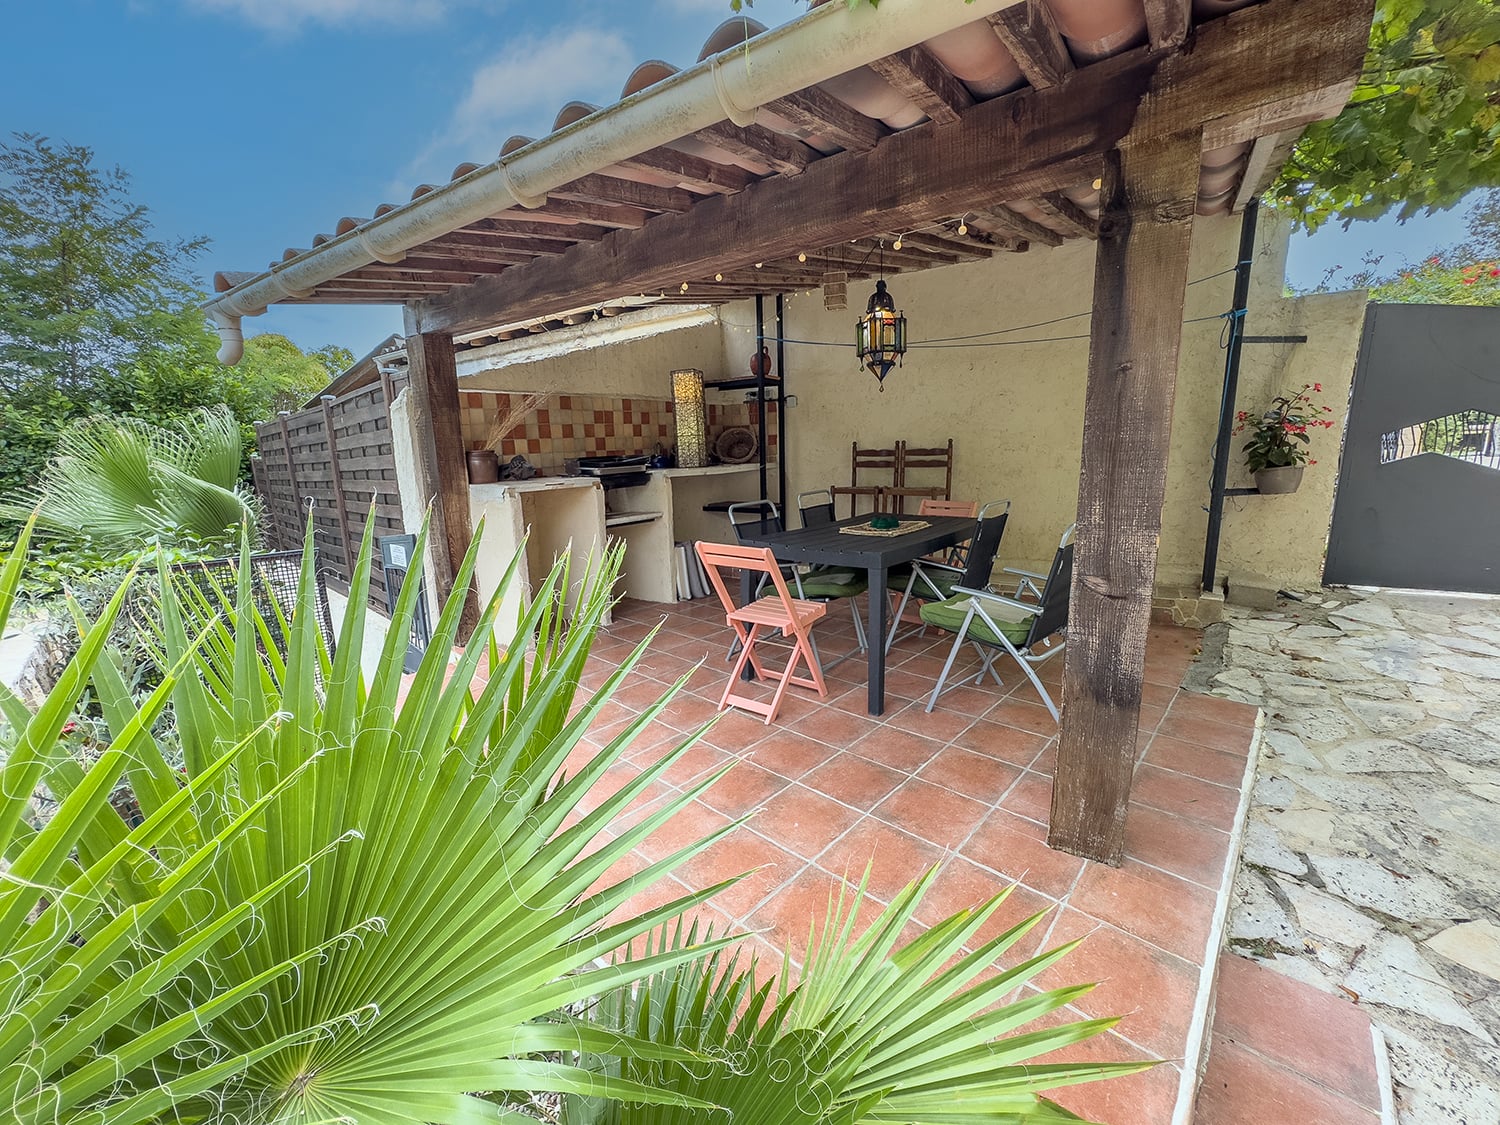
[[1418, 501]]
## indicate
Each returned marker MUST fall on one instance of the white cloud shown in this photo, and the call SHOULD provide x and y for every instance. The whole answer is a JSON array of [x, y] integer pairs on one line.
[[522, 88], [292, 15]]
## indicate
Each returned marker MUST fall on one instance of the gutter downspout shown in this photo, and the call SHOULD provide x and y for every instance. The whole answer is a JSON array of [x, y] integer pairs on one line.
[[826, 42], [1231, 389]]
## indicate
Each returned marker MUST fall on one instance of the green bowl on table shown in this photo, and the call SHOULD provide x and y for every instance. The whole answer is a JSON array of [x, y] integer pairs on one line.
[[884, 523]]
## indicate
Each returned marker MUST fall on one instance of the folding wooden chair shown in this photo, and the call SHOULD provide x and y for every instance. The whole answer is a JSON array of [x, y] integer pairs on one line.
[[794, 617], [880, 462]]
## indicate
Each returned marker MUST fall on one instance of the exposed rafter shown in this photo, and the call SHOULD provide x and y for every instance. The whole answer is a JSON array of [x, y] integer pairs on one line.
[[818, 113], [1065, 213], [1030, 34], [1017, 226], [1168, 23], [925, 82]]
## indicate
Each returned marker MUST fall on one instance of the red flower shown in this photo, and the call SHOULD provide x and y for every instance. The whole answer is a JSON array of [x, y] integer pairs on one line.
[[1469, 281], [69, 727], [1318, 387], [1312, 462], [1495, 273]]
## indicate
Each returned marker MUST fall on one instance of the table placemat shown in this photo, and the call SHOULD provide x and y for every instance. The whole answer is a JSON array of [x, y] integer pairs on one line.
[[905, 527]]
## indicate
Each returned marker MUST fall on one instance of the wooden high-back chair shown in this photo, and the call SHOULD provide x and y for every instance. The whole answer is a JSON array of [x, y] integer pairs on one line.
[[916, 471], [872, 474]]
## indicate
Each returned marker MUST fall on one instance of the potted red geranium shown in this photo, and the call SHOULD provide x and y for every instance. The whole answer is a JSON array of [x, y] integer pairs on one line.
[[1279, 443]]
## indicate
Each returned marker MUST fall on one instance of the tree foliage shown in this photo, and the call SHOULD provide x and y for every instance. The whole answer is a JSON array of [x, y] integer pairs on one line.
[[1422, 128], [98, 315], [1467, 273]]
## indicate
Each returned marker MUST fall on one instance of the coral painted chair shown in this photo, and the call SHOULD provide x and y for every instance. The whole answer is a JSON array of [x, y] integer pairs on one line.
[[752, 623]]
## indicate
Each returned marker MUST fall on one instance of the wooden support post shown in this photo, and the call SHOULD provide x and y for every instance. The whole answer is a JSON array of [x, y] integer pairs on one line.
[[1148, 195], [441, 469], [340, 505]]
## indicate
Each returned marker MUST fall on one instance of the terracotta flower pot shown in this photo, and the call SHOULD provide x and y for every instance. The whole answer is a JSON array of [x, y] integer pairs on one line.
[[760, 365], [1278, 481]]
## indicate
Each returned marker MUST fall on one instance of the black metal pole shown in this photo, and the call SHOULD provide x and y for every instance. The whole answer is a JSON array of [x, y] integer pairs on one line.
[[760, 387], [781, 402], [1231, 389]]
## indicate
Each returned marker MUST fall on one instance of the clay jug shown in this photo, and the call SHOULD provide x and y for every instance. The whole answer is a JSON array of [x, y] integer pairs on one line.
[[760, 365]]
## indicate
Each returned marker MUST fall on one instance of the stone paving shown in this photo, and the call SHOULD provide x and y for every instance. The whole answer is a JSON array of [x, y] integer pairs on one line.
[[1371, 865]]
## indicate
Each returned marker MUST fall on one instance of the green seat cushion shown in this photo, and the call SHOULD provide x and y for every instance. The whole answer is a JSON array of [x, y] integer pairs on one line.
[[944, 580], [833, 582], [950, 615]]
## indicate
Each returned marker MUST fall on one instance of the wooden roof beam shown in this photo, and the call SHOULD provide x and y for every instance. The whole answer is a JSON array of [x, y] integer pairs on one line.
[[922, 80], [1063, 211], [555, 228], [610, 189], [1267, 155], [1261, 69], [959, 245], [603, 214], [1168, 23], [692, 171], [818, 113], [1008, 222], [785, 155], [1030, 34]]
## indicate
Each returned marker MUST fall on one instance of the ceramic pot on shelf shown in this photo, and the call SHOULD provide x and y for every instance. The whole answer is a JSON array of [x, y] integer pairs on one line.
[[760, 365], [484, 466], [1278, 481]]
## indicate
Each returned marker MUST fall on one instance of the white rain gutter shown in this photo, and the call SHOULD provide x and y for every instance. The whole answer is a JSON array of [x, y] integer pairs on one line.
[[830, 40]]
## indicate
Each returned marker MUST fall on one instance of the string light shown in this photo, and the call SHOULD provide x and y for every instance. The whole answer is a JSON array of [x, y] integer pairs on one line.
[[1098, 182], [684, 287], [802, 255], [759, 264], [897, 244], [718, 277], [963, 226]]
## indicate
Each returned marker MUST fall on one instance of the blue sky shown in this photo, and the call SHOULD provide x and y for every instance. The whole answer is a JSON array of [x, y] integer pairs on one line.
[[261, 122]]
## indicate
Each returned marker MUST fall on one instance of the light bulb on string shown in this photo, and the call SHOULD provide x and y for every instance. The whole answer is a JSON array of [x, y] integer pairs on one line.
[[718, 277], [802, 255], [897, 244], [759, 264], [963, 227]]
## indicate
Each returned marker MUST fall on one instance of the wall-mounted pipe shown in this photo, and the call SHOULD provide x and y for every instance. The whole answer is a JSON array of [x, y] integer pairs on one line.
[[826, 42]]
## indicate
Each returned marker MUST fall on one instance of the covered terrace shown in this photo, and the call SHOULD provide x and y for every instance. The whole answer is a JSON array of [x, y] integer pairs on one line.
[[998, 127]]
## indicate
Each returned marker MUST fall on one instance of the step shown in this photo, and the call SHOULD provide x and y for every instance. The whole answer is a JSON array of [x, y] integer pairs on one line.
[[1282, 1051]]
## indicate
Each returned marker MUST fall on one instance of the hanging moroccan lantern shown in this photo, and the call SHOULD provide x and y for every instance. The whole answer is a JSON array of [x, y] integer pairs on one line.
[[880, 335]]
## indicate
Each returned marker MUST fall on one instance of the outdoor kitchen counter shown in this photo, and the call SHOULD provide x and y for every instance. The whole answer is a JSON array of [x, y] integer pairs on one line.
[[679, 494], [552, 516]]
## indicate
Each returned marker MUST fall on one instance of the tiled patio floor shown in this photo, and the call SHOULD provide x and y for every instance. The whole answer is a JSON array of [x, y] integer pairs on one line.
[[966, 787]]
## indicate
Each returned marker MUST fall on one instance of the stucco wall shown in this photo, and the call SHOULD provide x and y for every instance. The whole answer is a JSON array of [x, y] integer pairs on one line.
[[1015, 410]]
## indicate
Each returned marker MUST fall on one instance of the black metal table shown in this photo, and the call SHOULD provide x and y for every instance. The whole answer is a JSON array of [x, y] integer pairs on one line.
[[876, 554]]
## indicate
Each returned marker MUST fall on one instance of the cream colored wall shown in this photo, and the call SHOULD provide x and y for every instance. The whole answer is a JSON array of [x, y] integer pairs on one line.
[[1015, 411]]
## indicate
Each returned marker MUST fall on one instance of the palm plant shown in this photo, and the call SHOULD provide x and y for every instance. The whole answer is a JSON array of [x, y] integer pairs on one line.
[[119, 482], [866, 1033], [354, 910]]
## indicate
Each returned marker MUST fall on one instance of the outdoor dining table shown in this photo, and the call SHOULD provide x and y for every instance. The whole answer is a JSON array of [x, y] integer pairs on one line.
[[827, 544]]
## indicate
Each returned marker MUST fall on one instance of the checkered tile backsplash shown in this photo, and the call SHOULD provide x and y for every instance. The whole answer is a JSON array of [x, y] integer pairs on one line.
[[570, 426]]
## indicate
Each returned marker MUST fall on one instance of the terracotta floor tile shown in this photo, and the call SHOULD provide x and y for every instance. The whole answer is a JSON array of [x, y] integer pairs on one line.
[[1026, 715], [938, 724], [970, 700], [737, 731], [897, 749], [894, 858], [1031, 797], [836, 728], [802, 821], [935, 814], [1205, 732], [970, 774], [744, 789], [1007, 743], [1191, 705], [769, 867], [1146, 1098], [688, 712], [1017, 847], [1187, 848], [1196, 761], [1177, 793], [962, 885], [789, 754], [802, 904], [1168, 912], [1243, 1088], [854, 780], [1157, 695], [1152, 989], [694, 764], [1046, 761], [638, 695], [1323, 1037], [687, 826]]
